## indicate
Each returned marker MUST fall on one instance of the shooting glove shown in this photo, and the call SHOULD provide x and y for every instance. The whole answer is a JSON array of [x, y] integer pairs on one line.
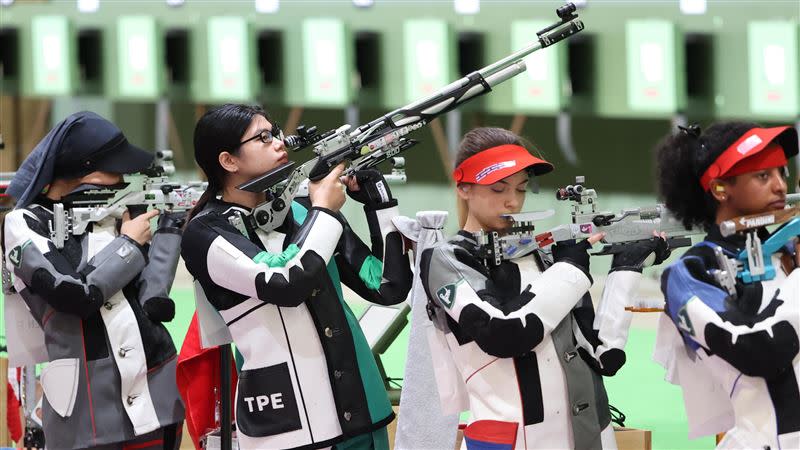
[[638, 255], [374, 192], [171, 220], [159, 309], [576, 254], [157, 277]]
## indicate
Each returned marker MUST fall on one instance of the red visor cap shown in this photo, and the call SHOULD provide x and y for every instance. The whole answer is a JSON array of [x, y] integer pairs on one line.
[[751, 143], [496, 163]]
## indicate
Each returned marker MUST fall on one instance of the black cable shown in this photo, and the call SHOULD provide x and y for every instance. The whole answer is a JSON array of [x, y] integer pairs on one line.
[[394, 381], [617, 416]]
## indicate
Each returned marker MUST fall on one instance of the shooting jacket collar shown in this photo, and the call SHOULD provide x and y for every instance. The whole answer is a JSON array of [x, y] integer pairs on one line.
[[223, 207], [468, 236], [44, 202]]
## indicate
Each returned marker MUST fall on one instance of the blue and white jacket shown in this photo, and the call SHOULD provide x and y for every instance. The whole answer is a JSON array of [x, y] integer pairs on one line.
[[748, 345]]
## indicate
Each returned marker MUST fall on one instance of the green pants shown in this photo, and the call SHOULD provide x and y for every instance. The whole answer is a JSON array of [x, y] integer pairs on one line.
[[377, 440]]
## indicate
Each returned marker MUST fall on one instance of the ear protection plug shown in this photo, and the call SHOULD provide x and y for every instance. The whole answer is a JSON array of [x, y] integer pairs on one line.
[[719, 188]]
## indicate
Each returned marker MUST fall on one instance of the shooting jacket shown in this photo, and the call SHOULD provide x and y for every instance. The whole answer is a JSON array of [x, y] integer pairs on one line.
[[309, 379], [111, 371], [528, 347], [745, 349]]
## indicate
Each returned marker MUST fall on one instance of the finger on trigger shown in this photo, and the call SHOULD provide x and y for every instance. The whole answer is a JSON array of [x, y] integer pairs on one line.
[[338, 170], [595, 238]]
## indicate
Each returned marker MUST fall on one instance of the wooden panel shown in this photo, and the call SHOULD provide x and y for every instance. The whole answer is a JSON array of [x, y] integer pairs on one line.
[[8, 129], [633, 439]]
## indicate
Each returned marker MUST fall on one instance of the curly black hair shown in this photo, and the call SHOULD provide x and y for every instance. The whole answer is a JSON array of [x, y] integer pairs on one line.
[[682, 158]]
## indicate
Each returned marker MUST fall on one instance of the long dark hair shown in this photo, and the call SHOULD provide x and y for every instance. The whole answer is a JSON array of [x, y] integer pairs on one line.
[[682, 158], [219, 130], [476, 141]]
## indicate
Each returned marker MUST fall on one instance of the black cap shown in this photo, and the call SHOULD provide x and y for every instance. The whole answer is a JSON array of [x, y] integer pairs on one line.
[[93, 143], [77, 146]]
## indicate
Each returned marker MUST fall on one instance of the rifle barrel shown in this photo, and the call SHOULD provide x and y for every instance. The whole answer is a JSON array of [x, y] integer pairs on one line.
[[571, 27]]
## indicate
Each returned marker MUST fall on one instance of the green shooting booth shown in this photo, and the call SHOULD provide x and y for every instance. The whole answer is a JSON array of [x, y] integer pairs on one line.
[[656, 86], [137, 70], [542, 89], [429, 57], [328, 61], [225, 69], [773, 52], [49, 58], [669, 71]]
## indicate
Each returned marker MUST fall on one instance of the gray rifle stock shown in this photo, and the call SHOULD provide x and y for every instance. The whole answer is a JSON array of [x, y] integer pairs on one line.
[[137, 193]]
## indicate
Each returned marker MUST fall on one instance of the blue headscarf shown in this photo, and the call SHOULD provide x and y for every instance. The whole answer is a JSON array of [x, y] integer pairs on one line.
[[36, 171], [78, 145]]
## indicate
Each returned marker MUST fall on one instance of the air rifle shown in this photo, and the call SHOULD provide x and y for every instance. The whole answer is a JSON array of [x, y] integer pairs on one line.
[[137, 193], [385, 137], [620, 228]]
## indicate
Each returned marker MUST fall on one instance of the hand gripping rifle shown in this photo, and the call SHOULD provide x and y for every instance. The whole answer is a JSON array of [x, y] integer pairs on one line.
[[754, 263], [622, 228], [385, 137], [137, 192]]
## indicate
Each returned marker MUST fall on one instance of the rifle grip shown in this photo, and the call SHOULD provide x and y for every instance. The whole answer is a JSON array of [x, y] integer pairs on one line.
[[678, 242], [319, 171], [136, 210]]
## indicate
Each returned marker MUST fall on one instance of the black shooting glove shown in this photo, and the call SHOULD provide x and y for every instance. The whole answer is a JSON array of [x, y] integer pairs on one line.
[[172, 221], [374, 192], [159, 273], [638, 255], [159, 309], [575, 253]]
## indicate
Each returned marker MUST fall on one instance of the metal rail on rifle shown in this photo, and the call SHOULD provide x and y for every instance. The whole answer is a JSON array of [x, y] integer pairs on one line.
[[386, 136]]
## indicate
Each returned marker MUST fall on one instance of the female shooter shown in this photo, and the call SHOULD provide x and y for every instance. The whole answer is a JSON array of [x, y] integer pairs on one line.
[[742, 341], [309, 379], [100, 297], [524, 334]]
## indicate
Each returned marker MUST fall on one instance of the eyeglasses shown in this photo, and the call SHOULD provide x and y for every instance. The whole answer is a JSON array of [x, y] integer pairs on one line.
[[266, 136]]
